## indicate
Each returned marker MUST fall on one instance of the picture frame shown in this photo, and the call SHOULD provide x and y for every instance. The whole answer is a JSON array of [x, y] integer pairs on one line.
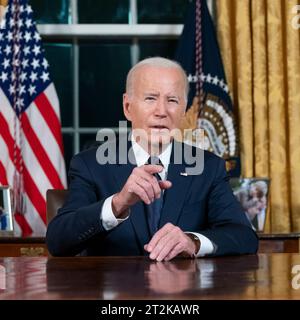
[[253, 193], [6, 216]]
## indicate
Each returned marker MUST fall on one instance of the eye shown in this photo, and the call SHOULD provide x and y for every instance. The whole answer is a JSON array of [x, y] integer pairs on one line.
[[150, 98], [172, 100]]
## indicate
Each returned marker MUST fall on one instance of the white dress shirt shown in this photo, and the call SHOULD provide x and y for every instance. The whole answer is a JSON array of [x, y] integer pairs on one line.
[[109, 221]]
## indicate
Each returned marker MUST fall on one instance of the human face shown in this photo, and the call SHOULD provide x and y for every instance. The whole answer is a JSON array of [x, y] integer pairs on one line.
[[156, 103]]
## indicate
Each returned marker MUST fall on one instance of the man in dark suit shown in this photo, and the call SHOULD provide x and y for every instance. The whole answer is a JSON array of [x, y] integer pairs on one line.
[[156, 209]]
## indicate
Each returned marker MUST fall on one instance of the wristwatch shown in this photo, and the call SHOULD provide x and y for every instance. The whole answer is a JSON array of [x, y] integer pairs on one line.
[[196, 241]]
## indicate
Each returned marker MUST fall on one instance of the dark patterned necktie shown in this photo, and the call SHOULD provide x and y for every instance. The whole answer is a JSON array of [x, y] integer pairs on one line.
[[154, 209]]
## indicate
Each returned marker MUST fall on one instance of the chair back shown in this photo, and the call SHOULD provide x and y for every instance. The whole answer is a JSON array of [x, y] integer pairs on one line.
[[55, 199]]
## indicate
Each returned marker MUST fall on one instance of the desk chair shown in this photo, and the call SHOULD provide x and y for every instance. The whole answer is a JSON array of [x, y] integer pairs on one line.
[[55, 199]]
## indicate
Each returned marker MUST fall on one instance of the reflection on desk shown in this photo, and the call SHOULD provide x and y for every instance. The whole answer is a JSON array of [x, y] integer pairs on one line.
[[263, 276]]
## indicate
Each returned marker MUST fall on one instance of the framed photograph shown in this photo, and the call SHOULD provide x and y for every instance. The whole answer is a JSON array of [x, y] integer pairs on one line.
[[6, 218], [252, 193]]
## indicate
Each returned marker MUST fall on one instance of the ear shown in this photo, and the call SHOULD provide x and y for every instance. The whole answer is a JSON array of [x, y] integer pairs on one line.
[[127, 106]]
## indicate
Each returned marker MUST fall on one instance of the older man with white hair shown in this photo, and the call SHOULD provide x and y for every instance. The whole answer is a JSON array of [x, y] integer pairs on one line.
[[153, 206]]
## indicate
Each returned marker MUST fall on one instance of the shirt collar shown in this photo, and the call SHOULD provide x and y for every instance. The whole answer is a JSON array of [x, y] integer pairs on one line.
[[142, 156]]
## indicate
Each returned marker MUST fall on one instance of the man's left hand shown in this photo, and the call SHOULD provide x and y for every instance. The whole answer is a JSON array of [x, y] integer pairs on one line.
[[169, 242]]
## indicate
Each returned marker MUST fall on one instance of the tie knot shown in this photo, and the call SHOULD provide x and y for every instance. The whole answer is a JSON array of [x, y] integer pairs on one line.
[[154, 160]]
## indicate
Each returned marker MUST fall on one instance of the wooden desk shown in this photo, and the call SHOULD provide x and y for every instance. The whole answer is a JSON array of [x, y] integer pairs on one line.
[[263, 276], [16, 246], [279, 242]]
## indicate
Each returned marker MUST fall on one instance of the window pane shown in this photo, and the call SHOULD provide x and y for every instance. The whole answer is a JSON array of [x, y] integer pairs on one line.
[[103, 67], [88, 140], [49, 11], [68, 148], [156, 11], [59, 56], [95, 11], [163, 48]]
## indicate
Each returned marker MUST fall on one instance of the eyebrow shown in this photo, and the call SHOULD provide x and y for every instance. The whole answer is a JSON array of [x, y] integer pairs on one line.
[[151, 94]]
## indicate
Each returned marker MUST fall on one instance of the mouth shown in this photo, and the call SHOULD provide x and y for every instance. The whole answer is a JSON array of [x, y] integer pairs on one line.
[[159, 127]]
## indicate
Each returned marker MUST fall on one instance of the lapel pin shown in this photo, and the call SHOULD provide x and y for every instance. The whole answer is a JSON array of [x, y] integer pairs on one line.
[[183, 174]]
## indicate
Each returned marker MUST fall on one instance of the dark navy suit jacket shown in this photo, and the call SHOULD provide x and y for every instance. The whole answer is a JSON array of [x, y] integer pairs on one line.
[[202, 203]]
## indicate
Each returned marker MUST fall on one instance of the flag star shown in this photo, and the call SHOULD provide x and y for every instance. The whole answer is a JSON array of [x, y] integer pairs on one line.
[[190, 77], [27, 36], [36, 50], [33, 76], [7, 49], [13, 7], [16, 62], [36, 36], [26, 50], [221, 83], [28, 9], [20, 102], [28, 23], [11, 22], [11, 89], [226, 89], [208, 78], [19, 36], [3, 76], [35, 63], [45, 63], [45, 76], [1, 36], [203, 77], [22, 89], [23, 76], [215, 80], [9, 36], [21, 8], [20, 23], [5, 63], [25, 63], [31, 90], [16, 49]]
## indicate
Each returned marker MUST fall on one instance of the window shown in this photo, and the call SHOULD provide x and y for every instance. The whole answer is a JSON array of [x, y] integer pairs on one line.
[[91, 45]]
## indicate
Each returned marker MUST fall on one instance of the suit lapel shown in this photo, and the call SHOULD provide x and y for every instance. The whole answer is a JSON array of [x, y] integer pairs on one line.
[[175, 196], [137, 212]]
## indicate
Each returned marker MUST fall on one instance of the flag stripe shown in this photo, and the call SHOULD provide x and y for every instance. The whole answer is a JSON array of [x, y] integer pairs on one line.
[[40, 153], [50, 117], [31, 189], [38, 175], [50, 93], [3, 178], [26, 229], [30, 128], [32, 216], [44, 134]]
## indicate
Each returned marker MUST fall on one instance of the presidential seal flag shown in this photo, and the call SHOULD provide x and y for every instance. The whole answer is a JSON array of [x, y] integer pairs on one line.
[[31, 148], [209, 106]]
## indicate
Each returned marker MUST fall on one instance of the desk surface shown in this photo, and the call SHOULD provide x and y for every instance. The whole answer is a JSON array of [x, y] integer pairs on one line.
[[263, 276]]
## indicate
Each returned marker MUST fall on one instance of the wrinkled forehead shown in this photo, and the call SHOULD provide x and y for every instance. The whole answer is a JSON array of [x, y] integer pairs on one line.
[[158, 77]]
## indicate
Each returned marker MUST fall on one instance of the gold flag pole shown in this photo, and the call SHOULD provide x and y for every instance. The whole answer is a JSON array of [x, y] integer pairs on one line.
[[3, 4]]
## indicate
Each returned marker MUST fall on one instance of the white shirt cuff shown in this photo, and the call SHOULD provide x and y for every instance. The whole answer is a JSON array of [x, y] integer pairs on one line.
[[109, 221], [206, 246]]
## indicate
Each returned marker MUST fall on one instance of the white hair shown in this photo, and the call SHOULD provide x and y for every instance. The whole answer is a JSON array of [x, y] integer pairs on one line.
[[156, 62]]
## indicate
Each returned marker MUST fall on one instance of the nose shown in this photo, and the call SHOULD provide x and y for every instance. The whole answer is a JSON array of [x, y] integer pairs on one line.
[[161, 108]]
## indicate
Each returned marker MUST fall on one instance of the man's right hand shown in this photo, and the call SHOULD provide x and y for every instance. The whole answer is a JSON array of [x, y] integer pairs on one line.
[[140, 186]]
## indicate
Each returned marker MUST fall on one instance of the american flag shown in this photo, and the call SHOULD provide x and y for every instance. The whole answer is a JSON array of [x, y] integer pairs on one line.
[[31, 148]]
